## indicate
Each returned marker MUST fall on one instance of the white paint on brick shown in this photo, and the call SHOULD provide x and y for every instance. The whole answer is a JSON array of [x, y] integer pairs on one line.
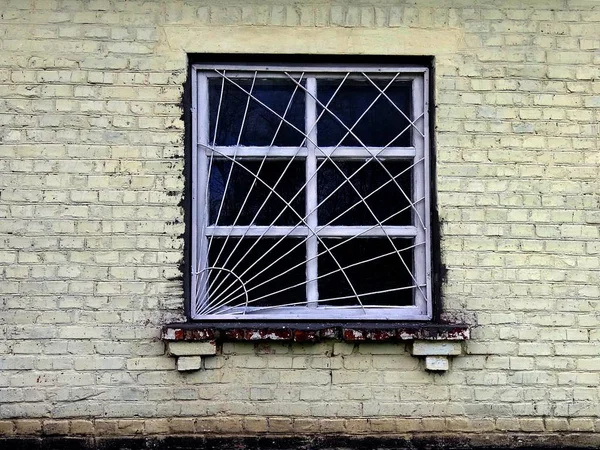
[[443, 348], [436, 363], [192, 348], [189, 363]]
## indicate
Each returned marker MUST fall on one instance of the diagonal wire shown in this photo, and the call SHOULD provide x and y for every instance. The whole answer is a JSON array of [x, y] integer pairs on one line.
[[234, 156], [349, 131], [310, 178], [411, 203], [384, 291], [281, 177], [320, 276], [356, 236], [283, 200], [307, 137], [329, 223], [382, 166], [266, 199], [392, 102], [281, 122]]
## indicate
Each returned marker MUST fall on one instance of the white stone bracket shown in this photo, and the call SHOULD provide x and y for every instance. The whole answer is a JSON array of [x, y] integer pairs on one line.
[[189, 354], [436, 353]]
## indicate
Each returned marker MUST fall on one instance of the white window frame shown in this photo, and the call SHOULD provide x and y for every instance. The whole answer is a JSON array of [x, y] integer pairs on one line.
[[418, 153]]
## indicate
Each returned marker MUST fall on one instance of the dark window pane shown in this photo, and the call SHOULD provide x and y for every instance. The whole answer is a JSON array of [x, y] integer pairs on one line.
[[381, 124], [244, 179], [371, 272], [385, 202], [261, 125], [249, 259]]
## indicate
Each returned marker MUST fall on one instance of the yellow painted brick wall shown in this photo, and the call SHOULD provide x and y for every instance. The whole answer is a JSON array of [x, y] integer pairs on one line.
[[91, 161]]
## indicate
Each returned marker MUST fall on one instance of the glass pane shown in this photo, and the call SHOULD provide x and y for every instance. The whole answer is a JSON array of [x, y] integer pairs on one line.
[[381, 124], [371, 265], [261, 125], [371, 183], [247, 201], [249, 259]]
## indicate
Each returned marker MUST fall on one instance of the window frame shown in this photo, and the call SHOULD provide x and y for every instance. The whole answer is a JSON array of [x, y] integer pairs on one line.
[[422, 308]]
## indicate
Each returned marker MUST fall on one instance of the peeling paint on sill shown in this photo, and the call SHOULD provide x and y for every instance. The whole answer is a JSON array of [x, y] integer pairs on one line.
[[314, 332]]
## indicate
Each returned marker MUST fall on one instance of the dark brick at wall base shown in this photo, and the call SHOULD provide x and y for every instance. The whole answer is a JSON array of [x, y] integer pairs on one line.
[[492, 441]]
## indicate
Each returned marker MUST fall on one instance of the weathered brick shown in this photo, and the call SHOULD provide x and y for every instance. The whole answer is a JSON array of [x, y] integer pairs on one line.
[[7, 427], [156, 426], [80, 426], [28, 426], [182, 425]]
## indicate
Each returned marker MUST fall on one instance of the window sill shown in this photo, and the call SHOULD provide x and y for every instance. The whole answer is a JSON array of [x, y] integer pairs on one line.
[[314, 331], [435, 342]]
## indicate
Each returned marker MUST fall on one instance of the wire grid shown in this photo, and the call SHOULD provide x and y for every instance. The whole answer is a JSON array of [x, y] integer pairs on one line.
[[229, 278]]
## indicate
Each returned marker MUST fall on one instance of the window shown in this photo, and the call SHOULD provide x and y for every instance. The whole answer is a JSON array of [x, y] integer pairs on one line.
[[310, 193]]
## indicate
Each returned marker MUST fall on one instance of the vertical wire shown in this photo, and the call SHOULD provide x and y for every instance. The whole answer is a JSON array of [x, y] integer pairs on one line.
[[418, 188], [426, 151]]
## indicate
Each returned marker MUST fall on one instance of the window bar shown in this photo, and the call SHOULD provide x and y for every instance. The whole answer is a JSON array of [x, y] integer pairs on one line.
[[203, 300], [312, 292], [274, 152], [200, 190], [419, 180]]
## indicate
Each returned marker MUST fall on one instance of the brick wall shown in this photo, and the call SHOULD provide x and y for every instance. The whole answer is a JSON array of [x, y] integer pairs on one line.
[[91, 162]]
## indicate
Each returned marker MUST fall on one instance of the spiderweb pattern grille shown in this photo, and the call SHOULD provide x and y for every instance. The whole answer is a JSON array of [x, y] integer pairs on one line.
[[309, 194]]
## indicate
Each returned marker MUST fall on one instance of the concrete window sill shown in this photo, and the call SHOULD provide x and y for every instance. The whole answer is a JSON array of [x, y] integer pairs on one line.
[[314, 332], [436, 342]]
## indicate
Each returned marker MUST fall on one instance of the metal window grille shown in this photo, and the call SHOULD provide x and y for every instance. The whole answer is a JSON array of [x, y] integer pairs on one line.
[[310, 193]]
